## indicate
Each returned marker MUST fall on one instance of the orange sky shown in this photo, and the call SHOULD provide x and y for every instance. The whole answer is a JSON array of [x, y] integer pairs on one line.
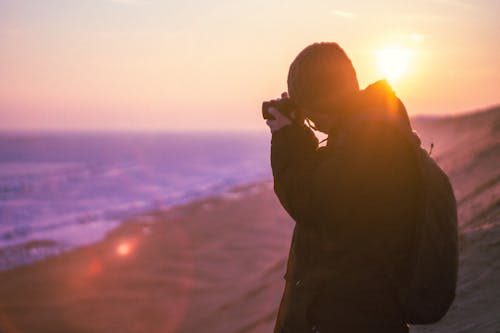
[[132, 64]]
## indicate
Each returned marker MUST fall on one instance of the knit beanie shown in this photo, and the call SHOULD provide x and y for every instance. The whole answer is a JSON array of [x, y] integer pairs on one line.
[[320, 73]]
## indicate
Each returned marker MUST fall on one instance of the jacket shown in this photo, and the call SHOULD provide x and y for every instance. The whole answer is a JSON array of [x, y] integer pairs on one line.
[[353, 203]]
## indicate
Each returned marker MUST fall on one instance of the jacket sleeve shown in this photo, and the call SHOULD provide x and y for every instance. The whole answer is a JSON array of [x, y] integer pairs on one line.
[[294, 159]]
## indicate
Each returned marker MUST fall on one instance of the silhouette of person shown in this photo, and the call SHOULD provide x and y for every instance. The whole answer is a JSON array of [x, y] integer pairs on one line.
[[352, 199]]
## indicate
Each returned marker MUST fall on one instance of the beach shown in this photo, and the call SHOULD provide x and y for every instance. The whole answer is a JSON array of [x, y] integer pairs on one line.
[[216, 264]]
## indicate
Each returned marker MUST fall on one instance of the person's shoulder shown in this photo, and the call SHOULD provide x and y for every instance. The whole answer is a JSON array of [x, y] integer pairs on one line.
[[379, 122], [372, 136], [374, 147]]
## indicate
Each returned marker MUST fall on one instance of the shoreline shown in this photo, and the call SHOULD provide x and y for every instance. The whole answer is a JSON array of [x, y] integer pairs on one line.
[[35, 250]]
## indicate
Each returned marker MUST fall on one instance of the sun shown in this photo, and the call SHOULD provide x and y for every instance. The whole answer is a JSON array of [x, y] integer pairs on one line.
[[393, 62]]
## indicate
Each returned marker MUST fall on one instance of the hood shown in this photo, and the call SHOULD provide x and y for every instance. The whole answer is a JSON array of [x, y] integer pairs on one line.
[[376, 103]]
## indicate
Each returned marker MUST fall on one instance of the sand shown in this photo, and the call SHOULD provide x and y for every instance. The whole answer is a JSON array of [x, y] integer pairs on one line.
[[217, 264]]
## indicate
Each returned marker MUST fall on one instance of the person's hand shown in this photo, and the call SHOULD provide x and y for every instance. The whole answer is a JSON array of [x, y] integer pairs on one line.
[[279, 120]]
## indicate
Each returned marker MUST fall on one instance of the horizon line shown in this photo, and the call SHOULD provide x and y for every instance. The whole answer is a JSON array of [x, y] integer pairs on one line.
[[145, 129]]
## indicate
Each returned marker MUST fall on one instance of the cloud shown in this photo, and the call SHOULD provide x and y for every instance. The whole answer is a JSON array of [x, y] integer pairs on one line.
[[343, 14]]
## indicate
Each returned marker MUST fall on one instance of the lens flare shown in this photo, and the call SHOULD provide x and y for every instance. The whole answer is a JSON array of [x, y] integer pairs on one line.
[[123, 249], [94, 268]]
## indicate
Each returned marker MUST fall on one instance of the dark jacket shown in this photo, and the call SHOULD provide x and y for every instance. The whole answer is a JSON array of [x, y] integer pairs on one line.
[[353, 202]]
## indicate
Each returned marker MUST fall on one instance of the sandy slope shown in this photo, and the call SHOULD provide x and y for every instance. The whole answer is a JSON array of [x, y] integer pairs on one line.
[[210, 266], [217, 265]]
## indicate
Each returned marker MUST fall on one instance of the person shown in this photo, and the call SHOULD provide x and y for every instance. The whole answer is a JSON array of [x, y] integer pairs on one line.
[[352, 199]]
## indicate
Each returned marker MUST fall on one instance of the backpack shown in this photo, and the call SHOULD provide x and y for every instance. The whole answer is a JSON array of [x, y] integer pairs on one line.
[[427, 295]]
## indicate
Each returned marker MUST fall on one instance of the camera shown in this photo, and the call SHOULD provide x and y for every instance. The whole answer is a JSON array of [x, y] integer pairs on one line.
[[284, 105]]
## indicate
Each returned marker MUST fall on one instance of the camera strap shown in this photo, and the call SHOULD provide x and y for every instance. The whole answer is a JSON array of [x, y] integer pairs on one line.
[[315, 129]]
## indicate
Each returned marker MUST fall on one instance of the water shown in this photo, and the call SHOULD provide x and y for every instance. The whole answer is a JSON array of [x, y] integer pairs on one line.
[[59, 191]]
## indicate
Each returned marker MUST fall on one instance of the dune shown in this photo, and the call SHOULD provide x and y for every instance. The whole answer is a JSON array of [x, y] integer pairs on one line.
[[217, 264]]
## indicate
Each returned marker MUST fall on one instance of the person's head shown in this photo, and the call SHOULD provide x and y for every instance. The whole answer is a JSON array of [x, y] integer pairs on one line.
[[320, 78]]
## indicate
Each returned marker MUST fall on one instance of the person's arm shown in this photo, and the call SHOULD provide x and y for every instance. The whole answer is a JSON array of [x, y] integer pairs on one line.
[[294, 160]]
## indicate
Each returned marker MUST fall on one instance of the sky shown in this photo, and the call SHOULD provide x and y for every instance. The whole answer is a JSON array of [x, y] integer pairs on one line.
[[208, 65]]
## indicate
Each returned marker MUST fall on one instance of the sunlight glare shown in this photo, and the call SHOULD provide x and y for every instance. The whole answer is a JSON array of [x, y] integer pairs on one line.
[[393, 62]]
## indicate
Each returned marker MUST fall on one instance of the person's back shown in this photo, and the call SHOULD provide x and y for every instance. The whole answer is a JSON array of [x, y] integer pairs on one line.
[[353, 202]]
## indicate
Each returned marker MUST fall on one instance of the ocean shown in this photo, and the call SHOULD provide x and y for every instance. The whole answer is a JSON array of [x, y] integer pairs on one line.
[[62, 190]]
